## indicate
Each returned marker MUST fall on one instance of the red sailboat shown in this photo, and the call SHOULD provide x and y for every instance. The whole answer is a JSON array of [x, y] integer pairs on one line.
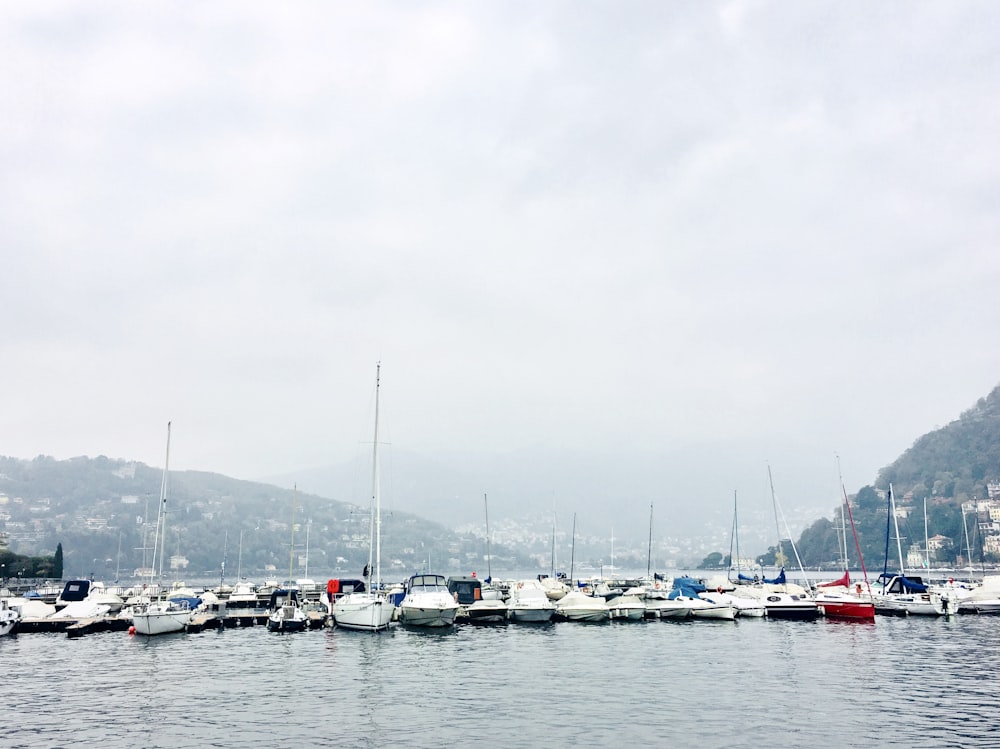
[[837, 600]]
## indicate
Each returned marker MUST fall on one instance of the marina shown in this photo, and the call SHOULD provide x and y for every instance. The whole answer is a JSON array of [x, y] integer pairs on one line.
[[688, 683], [436, 601]]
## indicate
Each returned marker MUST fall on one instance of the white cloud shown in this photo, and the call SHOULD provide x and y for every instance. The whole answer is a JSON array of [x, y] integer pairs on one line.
[[576, 227]]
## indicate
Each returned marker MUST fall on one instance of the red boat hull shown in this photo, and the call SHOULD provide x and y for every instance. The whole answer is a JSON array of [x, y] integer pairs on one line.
[[848, 609]]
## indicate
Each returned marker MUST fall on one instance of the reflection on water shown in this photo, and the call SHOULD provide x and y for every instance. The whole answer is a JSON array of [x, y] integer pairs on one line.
[[899, 682]]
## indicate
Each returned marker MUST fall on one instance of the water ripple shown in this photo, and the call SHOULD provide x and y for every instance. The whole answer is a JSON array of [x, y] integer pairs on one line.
[[899, 682]]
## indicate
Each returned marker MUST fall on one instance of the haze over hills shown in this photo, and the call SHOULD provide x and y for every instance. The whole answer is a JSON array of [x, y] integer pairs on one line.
[[101, 509], [953, 475]]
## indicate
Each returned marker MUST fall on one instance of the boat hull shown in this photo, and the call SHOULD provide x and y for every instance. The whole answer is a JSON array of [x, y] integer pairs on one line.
[[417, 616], [530, 615], [782, 606], [360, 611], [714, 612], [160, 622], [861, 610], [487, 612]]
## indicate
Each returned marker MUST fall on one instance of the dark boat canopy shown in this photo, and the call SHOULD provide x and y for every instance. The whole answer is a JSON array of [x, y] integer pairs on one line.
[[467, 589], [902, 584], [282, 596], [75, 590]]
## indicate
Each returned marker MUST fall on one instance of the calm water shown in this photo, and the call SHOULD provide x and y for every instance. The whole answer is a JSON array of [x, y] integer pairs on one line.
[[899, 682]]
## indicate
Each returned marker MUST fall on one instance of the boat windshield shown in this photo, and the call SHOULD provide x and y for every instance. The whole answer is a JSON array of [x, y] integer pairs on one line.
[[428, 583]]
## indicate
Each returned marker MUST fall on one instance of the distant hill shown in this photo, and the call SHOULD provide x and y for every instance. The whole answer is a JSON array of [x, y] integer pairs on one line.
[[954, 472], [103, 511], [954, 462]]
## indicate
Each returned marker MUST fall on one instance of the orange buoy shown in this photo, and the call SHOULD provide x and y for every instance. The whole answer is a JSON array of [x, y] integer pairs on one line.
[[131, 629]]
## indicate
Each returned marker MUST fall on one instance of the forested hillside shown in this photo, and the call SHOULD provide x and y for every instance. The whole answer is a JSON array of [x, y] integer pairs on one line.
[[955, 467]]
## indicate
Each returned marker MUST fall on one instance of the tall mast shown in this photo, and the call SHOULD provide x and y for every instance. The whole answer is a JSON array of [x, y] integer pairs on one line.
[[895, 522], [291, 544], [854, 530], [572, 553], [376, 489], [489, 568], [927, 545], [734, 540], [161, 515], [649, 547]]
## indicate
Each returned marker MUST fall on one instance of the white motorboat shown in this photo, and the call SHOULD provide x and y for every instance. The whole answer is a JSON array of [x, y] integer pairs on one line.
[[578, 607], [85, 609], [162, 617], [708, 607], [664, 608], [427, 602], [9, 617], [528, 603], [984, 599], [286, 613], [555, 588], [72, 592], [366, 609], [748, 607], [487, 611], [627, 607], [790, 606], [100, 594]]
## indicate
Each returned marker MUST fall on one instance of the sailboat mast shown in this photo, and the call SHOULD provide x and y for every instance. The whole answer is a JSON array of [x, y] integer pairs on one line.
[[118, 563], [161, 515], [734, 541], [854, 530], [376, 488], [291, 544], [895, 522], [572, 552], [968, 546], [927, 545], [649, 547], [777, 526], [489, 567]]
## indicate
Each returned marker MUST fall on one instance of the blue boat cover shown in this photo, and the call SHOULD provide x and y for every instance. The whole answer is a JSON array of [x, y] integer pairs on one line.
[[779, 580], [686, 586]]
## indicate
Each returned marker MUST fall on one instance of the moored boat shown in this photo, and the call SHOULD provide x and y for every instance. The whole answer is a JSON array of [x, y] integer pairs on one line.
[[528, 603], [9, 617], [579, 607], [361, 607], [427, 602], [286, 612]]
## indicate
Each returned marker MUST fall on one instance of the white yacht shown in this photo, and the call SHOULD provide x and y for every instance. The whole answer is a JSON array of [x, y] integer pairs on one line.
[[578, 607], [528, 603], [162, 617], [427, 602]]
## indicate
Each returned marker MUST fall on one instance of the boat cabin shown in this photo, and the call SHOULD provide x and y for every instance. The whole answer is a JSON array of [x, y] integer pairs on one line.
[[283, 596], [466, 590], [338, 586], [427, 583], [73, 591], [898, 584]]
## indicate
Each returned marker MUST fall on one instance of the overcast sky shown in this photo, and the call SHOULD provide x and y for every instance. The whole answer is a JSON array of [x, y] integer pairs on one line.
[[649, 227]]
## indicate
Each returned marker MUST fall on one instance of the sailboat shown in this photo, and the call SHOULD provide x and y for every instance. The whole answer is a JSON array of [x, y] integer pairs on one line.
[[286, 609], [782, 600], [835, 599], [900, 594], [370, 609], [167, 615]]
